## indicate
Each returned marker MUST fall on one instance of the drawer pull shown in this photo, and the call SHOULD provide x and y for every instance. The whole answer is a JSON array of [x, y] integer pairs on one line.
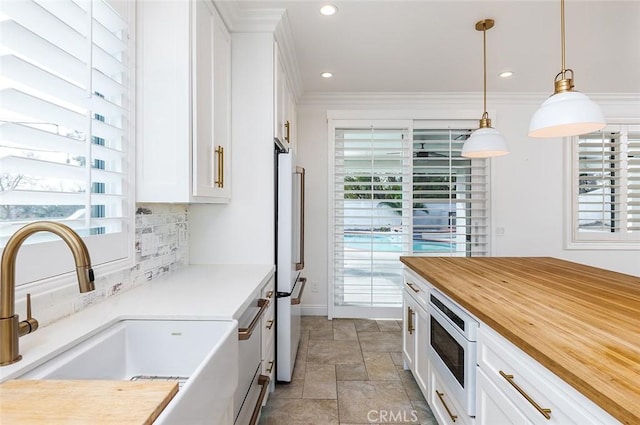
[[413, 287], [410, 314], [245, 333], [269, 324], [219, 181], [270, 368], [451, 415], [269, 294], [296, 301], [264, 381], [544, 412]]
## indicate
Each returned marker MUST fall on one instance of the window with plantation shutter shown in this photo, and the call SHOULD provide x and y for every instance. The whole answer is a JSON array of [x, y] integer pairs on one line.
[[606, 187], [64, 125], [399, 190]]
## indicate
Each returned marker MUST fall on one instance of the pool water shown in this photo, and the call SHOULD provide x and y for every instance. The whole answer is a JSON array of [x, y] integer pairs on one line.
[[393, 243]]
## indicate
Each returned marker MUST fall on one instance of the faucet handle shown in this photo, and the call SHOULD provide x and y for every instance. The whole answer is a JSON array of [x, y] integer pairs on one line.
[[29, 325]]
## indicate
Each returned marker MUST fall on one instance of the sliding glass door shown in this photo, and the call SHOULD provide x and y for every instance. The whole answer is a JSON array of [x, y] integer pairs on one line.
[[398, 191]]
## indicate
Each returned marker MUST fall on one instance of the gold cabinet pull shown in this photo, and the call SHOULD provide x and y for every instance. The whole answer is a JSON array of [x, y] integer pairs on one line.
[[263, 380], [219, 181], [296, 300], [413, 287], [245, 333], [544, 412], [287, 128], [410, 327], [270, 368], [451, 415], [269, 294], [269, 324]]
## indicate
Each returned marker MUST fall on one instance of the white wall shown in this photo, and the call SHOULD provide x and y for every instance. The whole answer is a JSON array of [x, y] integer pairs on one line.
[[527, 187], [242, 231]]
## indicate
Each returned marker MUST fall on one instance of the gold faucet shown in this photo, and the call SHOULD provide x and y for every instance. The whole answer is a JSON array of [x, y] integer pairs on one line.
[[10, 327]]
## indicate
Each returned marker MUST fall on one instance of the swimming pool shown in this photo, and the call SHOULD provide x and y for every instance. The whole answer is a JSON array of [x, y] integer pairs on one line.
[[392, 243]]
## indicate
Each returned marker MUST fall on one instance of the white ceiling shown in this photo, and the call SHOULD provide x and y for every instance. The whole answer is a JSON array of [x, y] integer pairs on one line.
[[432, 45]]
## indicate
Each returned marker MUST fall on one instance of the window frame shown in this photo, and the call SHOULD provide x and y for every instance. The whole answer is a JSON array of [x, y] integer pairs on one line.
[[53, 258], [573, 239]]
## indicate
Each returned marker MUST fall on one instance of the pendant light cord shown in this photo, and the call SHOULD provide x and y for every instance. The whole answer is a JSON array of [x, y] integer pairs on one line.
[[484, 45], [562, 35]]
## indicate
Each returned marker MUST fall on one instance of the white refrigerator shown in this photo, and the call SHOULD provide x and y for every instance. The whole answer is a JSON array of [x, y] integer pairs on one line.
[[289, 258]]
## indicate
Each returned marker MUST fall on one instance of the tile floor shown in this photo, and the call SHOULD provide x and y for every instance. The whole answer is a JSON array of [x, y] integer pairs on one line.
[[348, 371]]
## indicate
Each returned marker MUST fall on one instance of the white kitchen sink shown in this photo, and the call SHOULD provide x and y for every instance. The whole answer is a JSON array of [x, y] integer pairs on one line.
[[201, 355]]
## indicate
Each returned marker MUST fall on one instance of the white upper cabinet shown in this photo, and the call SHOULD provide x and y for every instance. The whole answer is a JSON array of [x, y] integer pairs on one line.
[[184, 103], [284, 107]]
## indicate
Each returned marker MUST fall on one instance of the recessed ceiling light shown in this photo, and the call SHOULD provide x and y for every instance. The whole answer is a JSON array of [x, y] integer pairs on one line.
[[328, 10], [326, 75], [506, 74]]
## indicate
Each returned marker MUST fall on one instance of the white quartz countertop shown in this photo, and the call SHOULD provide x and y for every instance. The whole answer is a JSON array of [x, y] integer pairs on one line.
[[197, 292]]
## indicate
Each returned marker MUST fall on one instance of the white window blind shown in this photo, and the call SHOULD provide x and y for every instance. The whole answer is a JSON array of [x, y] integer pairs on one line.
[[64, 113], [399, 191], [606, 185]]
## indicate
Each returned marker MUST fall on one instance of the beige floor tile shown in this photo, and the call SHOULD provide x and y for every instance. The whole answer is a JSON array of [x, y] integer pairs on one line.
[[345, 332], [342, 322], [380, 367], [373, 401], [380, 341], [299, 412], [299, 368], [366, 325], [424, 413], [388, 325], [410, 385], [292, 389], [325, 334], [333, 352], [320, 382], [396, 356], [315, 322], [351, 372]]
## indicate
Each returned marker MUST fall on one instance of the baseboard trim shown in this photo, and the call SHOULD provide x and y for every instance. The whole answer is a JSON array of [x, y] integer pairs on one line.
[[313, 310]]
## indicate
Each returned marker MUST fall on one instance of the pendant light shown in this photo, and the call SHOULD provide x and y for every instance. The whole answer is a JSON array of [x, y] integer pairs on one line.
[[486, 141], [567, 112]]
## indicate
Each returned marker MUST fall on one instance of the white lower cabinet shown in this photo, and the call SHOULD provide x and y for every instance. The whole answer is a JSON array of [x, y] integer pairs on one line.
[[415, 334], [409, 334], [445, 408], [513, 388], [256, 351]]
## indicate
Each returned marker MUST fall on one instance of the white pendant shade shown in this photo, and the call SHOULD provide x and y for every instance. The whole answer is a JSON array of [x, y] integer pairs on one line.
[[484, 143], [566, 114]]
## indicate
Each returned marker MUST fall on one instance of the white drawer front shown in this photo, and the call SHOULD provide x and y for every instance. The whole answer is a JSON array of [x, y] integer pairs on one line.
[[446, 409], [537, 392]]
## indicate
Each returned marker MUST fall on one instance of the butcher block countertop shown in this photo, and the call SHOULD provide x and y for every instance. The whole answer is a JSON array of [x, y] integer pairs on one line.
[[580, 322], [26, 402]]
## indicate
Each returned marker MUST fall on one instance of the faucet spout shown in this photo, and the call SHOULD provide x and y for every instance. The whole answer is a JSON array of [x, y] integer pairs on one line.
[[10, 328]]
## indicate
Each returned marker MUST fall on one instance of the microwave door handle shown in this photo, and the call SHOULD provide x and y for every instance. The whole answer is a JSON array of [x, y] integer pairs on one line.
[[301, 172]]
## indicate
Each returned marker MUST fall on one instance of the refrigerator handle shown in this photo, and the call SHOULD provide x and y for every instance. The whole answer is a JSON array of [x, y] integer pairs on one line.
[[301, 172], [296, 301]]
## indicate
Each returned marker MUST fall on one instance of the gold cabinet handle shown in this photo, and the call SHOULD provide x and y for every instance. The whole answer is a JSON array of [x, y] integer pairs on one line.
[[263, 380], [544, 412], [245, 333], [269, 294], [296, 300], [270, 368], [287, 127], [413, 287], [269, 324], [451, 415], [219, 181], [410, 327], [301, 172]]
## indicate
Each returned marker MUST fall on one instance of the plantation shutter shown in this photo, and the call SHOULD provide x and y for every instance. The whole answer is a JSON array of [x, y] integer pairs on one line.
[[371, 182], [64, 110], [607, 185], [450, 196]]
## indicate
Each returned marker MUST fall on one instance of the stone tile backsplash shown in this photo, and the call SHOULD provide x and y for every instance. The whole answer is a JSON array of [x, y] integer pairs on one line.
[[161, 246]]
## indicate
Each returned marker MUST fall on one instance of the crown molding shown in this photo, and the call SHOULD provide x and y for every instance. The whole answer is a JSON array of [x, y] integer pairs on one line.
[[452, 98], [249, 20], [287, 50]]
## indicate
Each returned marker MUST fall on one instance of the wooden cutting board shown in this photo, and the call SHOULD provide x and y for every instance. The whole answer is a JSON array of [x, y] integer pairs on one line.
[[28, 402]]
